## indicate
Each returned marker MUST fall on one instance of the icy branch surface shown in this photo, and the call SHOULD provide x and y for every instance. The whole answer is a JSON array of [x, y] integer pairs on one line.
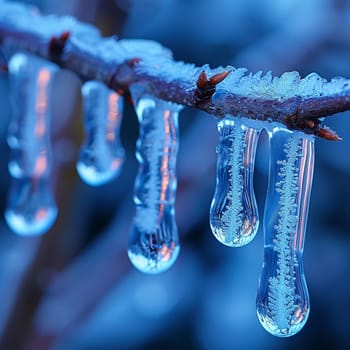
[[79, 47]]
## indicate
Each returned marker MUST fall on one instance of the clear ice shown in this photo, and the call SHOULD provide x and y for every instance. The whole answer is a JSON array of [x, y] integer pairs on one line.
[[234, 217], [282, 300], [31, 207], [102, 155], [154, 243]]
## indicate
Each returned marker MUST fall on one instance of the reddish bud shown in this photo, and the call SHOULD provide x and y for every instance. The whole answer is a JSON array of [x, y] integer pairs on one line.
[[327, 134], [202, 81], [218, 78]]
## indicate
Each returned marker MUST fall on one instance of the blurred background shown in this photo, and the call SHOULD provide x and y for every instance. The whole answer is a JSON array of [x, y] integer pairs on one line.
[[75, 289]]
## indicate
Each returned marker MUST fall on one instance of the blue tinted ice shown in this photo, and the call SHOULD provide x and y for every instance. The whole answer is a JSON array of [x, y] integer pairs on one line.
[[154, 242], [282, 300]]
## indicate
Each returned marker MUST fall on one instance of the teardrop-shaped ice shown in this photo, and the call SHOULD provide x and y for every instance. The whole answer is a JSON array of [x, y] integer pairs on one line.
[[102, 155], [154, 243], [234, 217], [282, 300], [31, 208]]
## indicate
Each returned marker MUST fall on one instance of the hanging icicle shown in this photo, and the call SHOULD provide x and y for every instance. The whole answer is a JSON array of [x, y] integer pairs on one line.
[[102, 155], [154, 243], [282, 300], [31, 207], [234, 218]]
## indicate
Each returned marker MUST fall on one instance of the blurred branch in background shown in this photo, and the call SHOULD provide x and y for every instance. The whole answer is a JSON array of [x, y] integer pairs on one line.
[[74, 288]]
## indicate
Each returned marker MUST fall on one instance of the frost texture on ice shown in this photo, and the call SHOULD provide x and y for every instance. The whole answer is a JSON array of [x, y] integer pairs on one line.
[[153, 139], [282, 299], [233, 212], [282, 286], [154, 243], [102, 155]]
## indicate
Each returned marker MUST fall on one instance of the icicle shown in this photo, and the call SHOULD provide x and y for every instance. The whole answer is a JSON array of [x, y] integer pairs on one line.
[[234, 216], [282, 300], [154, 243], [102, 155], [31, 208]]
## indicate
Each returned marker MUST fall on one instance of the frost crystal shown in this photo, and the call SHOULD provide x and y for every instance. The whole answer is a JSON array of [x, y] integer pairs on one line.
[[233, 213], [155, 60], [282, 300], [154, 243], [102, 155]]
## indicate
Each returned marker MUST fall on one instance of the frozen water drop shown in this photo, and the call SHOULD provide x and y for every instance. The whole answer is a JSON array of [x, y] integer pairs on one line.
[[102, 155], [234, 216], [154, 252], [29, 131], [282, 300], [31, 208], [154, 243]]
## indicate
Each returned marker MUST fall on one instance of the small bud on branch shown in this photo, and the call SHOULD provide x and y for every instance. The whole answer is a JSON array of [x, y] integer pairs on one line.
[[207, 87]]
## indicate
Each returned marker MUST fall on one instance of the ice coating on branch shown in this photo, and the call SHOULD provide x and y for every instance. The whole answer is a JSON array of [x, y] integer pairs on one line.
[[288, 85], [282, 300], [102, 154], [84, 37], [31, 208], [234, 216], [30, 20], [116, 51], [154, 243], [155, 60], [171, 70]]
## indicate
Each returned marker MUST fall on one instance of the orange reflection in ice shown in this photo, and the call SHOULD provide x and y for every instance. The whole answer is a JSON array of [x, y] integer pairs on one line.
[[166, 252], [116, 163], [44, 76], [165, 163], [41, 214], [40, 165], [112, 116]]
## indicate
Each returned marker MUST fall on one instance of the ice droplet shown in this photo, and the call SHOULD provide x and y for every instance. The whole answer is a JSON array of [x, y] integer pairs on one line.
[[234, 218], [282, 300], [154, 243], [31, 208], [102, 155]]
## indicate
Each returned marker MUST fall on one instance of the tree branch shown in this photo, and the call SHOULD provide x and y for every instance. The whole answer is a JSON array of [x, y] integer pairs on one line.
[[295, 102]]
